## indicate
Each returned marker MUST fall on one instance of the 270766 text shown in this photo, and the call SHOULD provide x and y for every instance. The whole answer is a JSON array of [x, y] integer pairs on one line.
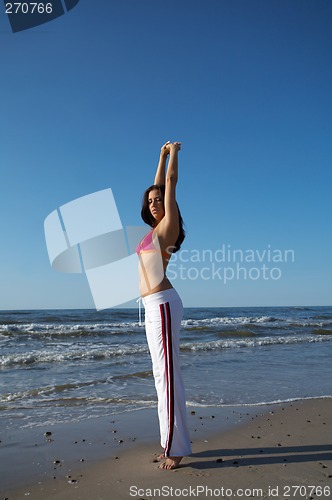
[[305, 491], [29, 8]]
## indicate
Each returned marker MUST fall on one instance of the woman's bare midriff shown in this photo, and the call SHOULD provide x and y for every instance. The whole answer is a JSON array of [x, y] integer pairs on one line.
[[164, 285]]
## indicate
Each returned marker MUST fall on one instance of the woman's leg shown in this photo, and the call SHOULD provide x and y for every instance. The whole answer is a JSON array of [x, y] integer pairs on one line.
[[163, 322]]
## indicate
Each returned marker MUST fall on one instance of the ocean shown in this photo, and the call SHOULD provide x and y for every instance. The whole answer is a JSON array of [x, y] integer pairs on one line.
[[61, 366]]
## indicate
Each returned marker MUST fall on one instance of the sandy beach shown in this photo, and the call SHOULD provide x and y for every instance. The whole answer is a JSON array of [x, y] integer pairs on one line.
[[280, 451]]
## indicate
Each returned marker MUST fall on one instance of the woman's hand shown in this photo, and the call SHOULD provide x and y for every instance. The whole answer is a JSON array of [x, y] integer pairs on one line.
[[173, 146], [164, 151]]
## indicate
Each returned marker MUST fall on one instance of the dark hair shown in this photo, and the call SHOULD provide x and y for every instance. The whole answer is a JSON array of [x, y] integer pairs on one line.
[[149, 219]]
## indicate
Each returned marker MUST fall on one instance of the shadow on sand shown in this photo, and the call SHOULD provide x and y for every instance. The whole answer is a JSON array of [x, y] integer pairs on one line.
[[240, 457]]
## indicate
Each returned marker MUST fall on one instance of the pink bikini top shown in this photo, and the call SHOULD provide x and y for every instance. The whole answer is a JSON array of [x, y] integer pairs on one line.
[[147, 245]]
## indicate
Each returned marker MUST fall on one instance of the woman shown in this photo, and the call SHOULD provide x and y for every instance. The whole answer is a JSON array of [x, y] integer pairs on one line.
[[163, 306]]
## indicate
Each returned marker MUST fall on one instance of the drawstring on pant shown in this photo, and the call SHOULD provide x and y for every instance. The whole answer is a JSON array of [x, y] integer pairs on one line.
[[139, 300]]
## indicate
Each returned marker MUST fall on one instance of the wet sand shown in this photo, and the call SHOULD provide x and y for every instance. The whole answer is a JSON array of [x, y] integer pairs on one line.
[[280, 451]]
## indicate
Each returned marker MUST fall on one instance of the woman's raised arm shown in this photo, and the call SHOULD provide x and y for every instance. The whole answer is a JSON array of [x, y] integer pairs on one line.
[[160, 174], [172, 171], [170, 223]]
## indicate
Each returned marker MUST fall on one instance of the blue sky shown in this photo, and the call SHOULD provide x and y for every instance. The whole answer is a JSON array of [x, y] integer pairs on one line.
[[89, 98]]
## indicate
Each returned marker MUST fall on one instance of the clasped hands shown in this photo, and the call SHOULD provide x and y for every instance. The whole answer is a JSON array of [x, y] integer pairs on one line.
[[169, 147]]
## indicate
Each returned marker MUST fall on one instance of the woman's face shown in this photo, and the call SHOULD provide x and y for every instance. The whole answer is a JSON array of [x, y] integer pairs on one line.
[[156, 205]]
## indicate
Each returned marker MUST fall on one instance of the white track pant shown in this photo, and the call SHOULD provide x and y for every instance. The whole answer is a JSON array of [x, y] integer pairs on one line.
[[163, 315]]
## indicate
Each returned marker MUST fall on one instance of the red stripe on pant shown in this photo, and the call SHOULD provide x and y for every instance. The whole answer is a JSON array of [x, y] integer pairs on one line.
[[168, 359]]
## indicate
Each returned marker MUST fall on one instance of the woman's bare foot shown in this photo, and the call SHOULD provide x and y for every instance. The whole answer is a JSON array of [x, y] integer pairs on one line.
[[170, 463]]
